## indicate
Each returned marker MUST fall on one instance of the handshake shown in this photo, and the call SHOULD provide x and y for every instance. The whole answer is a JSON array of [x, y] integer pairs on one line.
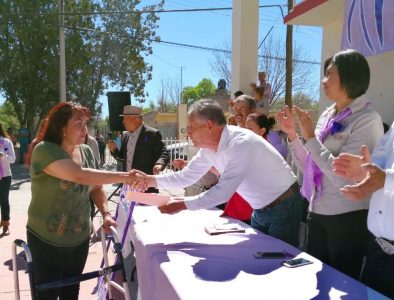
[[139, 181]]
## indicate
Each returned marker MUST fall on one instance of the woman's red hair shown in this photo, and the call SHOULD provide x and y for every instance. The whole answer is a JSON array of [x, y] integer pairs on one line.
[[52, 125]]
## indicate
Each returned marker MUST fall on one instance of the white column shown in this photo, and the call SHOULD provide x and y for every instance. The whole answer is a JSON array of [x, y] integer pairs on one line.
[[244, 45], [182, 122]]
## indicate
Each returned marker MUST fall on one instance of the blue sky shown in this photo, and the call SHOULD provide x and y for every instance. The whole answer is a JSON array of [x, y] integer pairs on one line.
[[210, 29]]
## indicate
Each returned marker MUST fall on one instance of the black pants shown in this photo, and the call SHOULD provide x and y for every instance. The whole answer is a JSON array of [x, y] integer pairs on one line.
[[55, 263], [5, 184], [339, 240], [378, 271]]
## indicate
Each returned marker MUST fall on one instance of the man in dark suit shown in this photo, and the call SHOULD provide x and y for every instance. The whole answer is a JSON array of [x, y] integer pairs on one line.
[[142, 147]]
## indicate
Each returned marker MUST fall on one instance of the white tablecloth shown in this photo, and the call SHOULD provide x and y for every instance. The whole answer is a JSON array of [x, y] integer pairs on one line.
[[177, 259]]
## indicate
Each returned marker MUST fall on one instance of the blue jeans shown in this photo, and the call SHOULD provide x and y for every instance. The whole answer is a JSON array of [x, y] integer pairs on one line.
[[282, 220]]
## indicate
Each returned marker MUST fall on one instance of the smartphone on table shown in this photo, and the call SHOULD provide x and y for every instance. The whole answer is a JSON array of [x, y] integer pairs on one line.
[[297, 262], [270, 255]]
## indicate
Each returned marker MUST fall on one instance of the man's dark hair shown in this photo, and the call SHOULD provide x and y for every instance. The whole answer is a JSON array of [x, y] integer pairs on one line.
[[248, 99], [353, 71], [238, 93], [209, 110], [386, 127]]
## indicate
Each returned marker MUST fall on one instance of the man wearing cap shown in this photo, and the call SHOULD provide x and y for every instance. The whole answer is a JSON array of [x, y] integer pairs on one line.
[[141, 147]]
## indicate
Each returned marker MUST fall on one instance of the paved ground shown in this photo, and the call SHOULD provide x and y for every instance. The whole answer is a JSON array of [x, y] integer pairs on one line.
[[20, 196]]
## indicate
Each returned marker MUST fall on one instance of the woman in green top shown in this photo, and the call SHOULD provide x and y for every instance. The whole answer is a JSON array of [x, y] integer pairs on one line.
[[63, 175]]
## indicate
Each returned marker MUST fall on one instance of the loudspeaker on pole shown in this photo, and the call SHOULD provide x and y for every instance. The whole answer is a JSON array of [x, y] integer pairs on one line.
[[116, 102]]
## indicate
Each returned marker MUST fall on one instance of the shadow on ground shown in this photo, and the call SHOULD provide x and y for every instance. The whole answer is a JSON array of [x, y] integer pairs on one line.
[[20, 262], [19, 172]]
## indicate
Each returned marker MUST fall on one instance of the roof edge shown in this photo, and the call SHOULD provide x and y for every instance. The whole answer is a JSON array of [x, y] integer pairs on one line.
[[302, 8]]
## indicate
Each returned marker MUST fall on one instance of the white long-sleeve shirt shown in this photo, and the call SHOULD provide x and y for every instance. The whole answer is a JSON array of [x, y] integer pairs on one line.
[[247, 164], [381, 208], [7, 148]]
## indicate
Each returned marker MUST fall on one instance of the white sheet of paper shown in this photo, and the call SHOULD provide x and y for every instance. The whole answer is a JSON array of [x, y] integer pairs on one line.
[[148, 198]]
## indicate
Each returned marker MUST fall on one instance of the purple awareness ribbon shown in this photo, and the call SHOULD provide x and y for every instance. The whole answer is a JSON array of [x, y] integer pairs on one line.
[[312, 174]]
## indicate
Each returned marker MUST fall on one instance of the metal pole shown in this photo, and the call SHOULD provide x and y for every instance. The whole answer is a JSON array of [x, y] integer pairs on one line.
[[62, 67]]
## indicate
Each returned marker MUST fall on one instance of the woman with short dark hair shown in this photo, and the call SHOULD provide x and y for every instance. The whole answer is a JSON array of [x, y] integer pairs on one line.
[[337, 228]]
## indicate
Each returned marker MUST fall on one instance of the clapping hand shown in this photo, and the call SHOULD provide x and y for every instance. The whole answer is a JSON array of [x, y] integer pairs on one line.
[[372, 182], [305, 122], [286, 123], [350, 167]]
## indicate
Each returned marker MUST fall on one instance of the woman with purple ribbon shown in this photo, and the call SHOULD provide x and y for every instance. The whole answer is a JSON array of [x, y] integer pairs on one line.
[[7, 157], [337, 228]]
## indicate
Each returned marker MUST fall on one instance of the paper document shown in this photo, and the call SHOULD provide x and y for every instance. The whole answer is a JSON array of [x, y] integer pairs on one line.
[[147, 198], [224, 228]]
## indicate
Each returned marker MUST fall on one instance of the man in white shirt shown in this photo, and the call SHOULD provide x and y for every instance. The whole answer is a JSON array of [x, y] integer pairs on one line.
[[376, 178], [247, 164]]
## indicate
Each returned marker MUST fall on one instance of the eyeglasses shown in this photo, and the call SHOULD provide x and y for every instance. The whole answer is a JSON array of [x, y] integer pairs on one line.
[[195, 127]]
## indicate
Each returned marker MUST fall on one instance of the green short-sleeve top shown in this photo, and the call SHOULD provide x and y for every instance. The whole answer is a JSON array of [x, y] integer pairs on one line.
[[59, 212]]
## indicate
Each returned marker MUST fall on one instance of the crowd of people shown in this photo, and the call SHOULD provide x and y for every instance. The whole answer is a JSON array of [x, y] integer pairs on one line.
[[336, 181], [248, 159]]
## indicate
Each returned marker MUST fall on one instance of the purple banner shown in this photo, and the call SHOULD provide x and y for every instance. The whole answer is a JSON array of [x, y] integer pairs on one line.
[[368, 26]]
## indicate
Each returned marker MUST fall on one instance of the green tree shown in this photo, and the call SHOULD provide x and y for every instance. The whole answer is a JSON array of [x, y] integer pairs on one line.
[[203, 89], [189, 94], [8, 116], [102, 50]]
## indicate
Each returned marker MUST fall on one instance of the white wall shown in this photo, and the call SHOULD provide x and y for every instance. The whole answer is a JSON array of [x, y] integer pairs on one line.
[[381, 88]]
